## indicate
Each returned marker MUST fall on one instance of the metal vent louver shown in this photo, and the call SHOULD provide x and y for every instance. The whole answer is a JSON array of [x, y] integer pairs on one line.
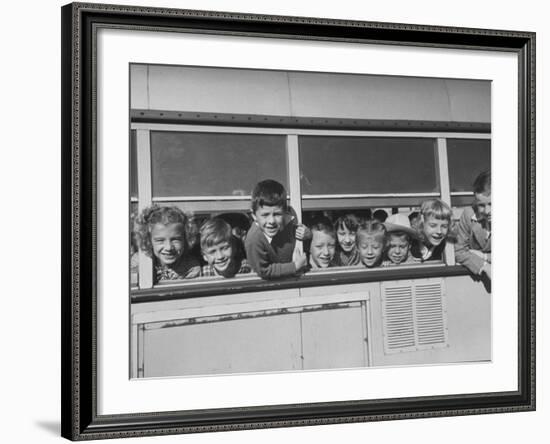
[[414, 316]]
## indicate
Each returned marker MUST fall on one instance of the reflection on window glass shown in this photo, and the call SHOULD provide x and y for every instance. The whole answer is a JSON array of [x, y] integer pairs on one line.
[[209, 164], [361, 165], [467, 158]]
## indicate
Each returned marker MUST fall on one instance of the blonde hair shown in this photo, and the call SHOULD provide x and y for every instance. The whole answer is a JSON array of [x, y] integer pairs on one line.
[[215, 231], [436, 208], [153, 215]]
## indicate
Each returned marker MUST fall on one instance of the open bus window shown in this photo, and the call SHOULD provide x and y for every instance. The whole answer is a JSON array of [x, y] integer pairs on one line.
[[369, 238], [212, 174]]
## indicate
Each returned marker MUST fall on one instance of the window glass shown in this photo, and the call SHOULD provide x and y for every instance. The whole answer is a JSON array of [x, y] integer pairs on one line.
[[212, 164], [361, 165], [467, 158]]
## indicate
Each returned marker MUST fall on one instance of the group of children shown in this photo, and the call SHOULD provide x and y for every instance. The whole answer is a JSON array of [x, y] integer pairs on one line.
[[270, 247]]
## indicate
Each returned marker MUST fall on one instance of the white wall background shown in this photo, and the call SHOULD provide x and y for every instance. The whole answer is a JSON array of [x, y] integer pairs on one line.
[[30, 221]]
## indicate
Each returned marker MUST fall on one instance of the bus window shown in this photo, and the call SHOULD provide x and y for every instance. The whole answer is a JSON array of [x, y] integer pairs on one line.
[[401, 245], [467, 158], [367, 165], [212, 164]]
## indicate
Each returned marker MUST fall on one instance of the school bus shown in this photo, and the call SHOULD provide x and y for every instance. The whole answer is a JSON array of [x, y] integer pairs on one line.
[[201, 138]]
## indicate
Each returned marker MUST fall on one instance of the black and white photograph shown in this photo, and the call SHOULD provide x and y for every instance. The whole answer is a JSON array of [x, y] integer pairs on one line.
[[274, 221], [289, 221]]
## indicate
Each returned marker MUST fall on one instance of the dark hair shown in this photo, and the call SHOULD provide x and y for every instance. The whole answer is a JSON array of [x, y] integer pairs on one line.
[[323, 224], [398, 234], [380, 215], [482, 184], [236, 220], [269, 193], [153, 215], [413, 216], [349, 221]]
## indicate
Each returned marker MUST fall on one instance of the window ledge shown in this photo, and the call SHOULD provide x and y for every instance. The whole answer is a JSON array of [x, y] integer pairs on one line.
[[203, 288]]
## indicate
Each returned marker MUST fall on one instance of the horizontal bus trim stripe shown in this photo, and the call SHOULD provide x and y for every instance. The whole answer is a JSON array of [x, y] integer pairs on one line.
[[149, 116]]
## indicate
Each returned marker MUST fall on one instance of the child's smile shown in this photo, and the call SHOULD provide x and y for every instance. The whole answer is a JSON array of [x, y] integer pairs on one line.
[[370, 250], [435, 230], [168, 242], [269, 219], [346, 239], [322, 249], [219, 255]]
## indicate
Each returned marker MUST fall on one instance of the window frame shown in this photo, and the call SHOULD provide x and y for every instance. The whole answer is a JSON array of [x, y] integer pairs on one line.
[[200, 287]]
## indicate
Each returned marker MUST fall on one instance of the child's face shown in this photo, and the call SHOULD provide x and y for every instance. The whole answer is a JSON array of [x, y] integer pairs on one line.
[[398, 248], [435, 230], [219, 255], [370, 249], [346, 239], [323, 246], [415, 223], [482, 205], [168, 242], [269, 219]]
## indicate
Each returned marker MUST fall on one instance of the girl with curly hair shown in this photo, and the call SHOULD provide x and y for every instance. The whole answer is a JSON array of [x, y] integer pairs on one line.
[[163, 235]]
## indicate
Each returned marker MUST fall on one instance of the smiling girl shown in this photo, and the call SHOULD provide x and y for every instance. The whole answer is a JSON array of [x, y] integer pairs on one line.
[[434, 229], [162, 233], [346, 249]]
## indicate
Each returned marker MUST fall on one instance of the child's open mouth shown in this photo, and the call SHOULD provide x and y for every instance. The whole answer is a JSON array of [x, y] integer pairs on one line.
[[436, 240], [222, 263]]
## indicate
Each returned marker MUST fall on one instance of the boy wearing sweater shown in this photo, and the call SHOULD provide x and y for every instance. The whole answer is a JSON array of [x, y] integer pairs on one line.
[[270, 243]]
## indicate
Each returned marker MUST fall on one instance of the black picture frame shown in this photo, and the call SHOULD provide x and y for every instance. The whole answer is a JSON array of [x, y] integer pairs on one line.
[[80, 420]]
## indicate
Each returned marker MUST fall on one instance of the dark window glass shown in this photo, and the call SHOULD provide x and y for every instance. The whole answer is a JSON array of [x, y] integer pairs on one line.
[[361, 165], [467, 158], [211, 164], [133, 165]]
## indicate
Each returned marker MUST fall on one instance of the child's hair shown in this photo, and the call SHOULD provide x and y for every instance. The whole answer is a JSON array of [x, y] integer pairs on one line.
[[235, 220], [413, 216], [348, 221], [215, 231], [268, 192], [399, 234], [153, 215], [324, 225], [482, 183], [371, 228], [436, 208], [380, 215]]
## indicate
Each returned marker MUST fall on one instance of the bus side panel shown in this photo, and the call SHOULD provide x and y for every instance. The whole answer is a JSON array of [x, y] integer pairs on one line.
[[334, 338], [468, 312], [268, 343]]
